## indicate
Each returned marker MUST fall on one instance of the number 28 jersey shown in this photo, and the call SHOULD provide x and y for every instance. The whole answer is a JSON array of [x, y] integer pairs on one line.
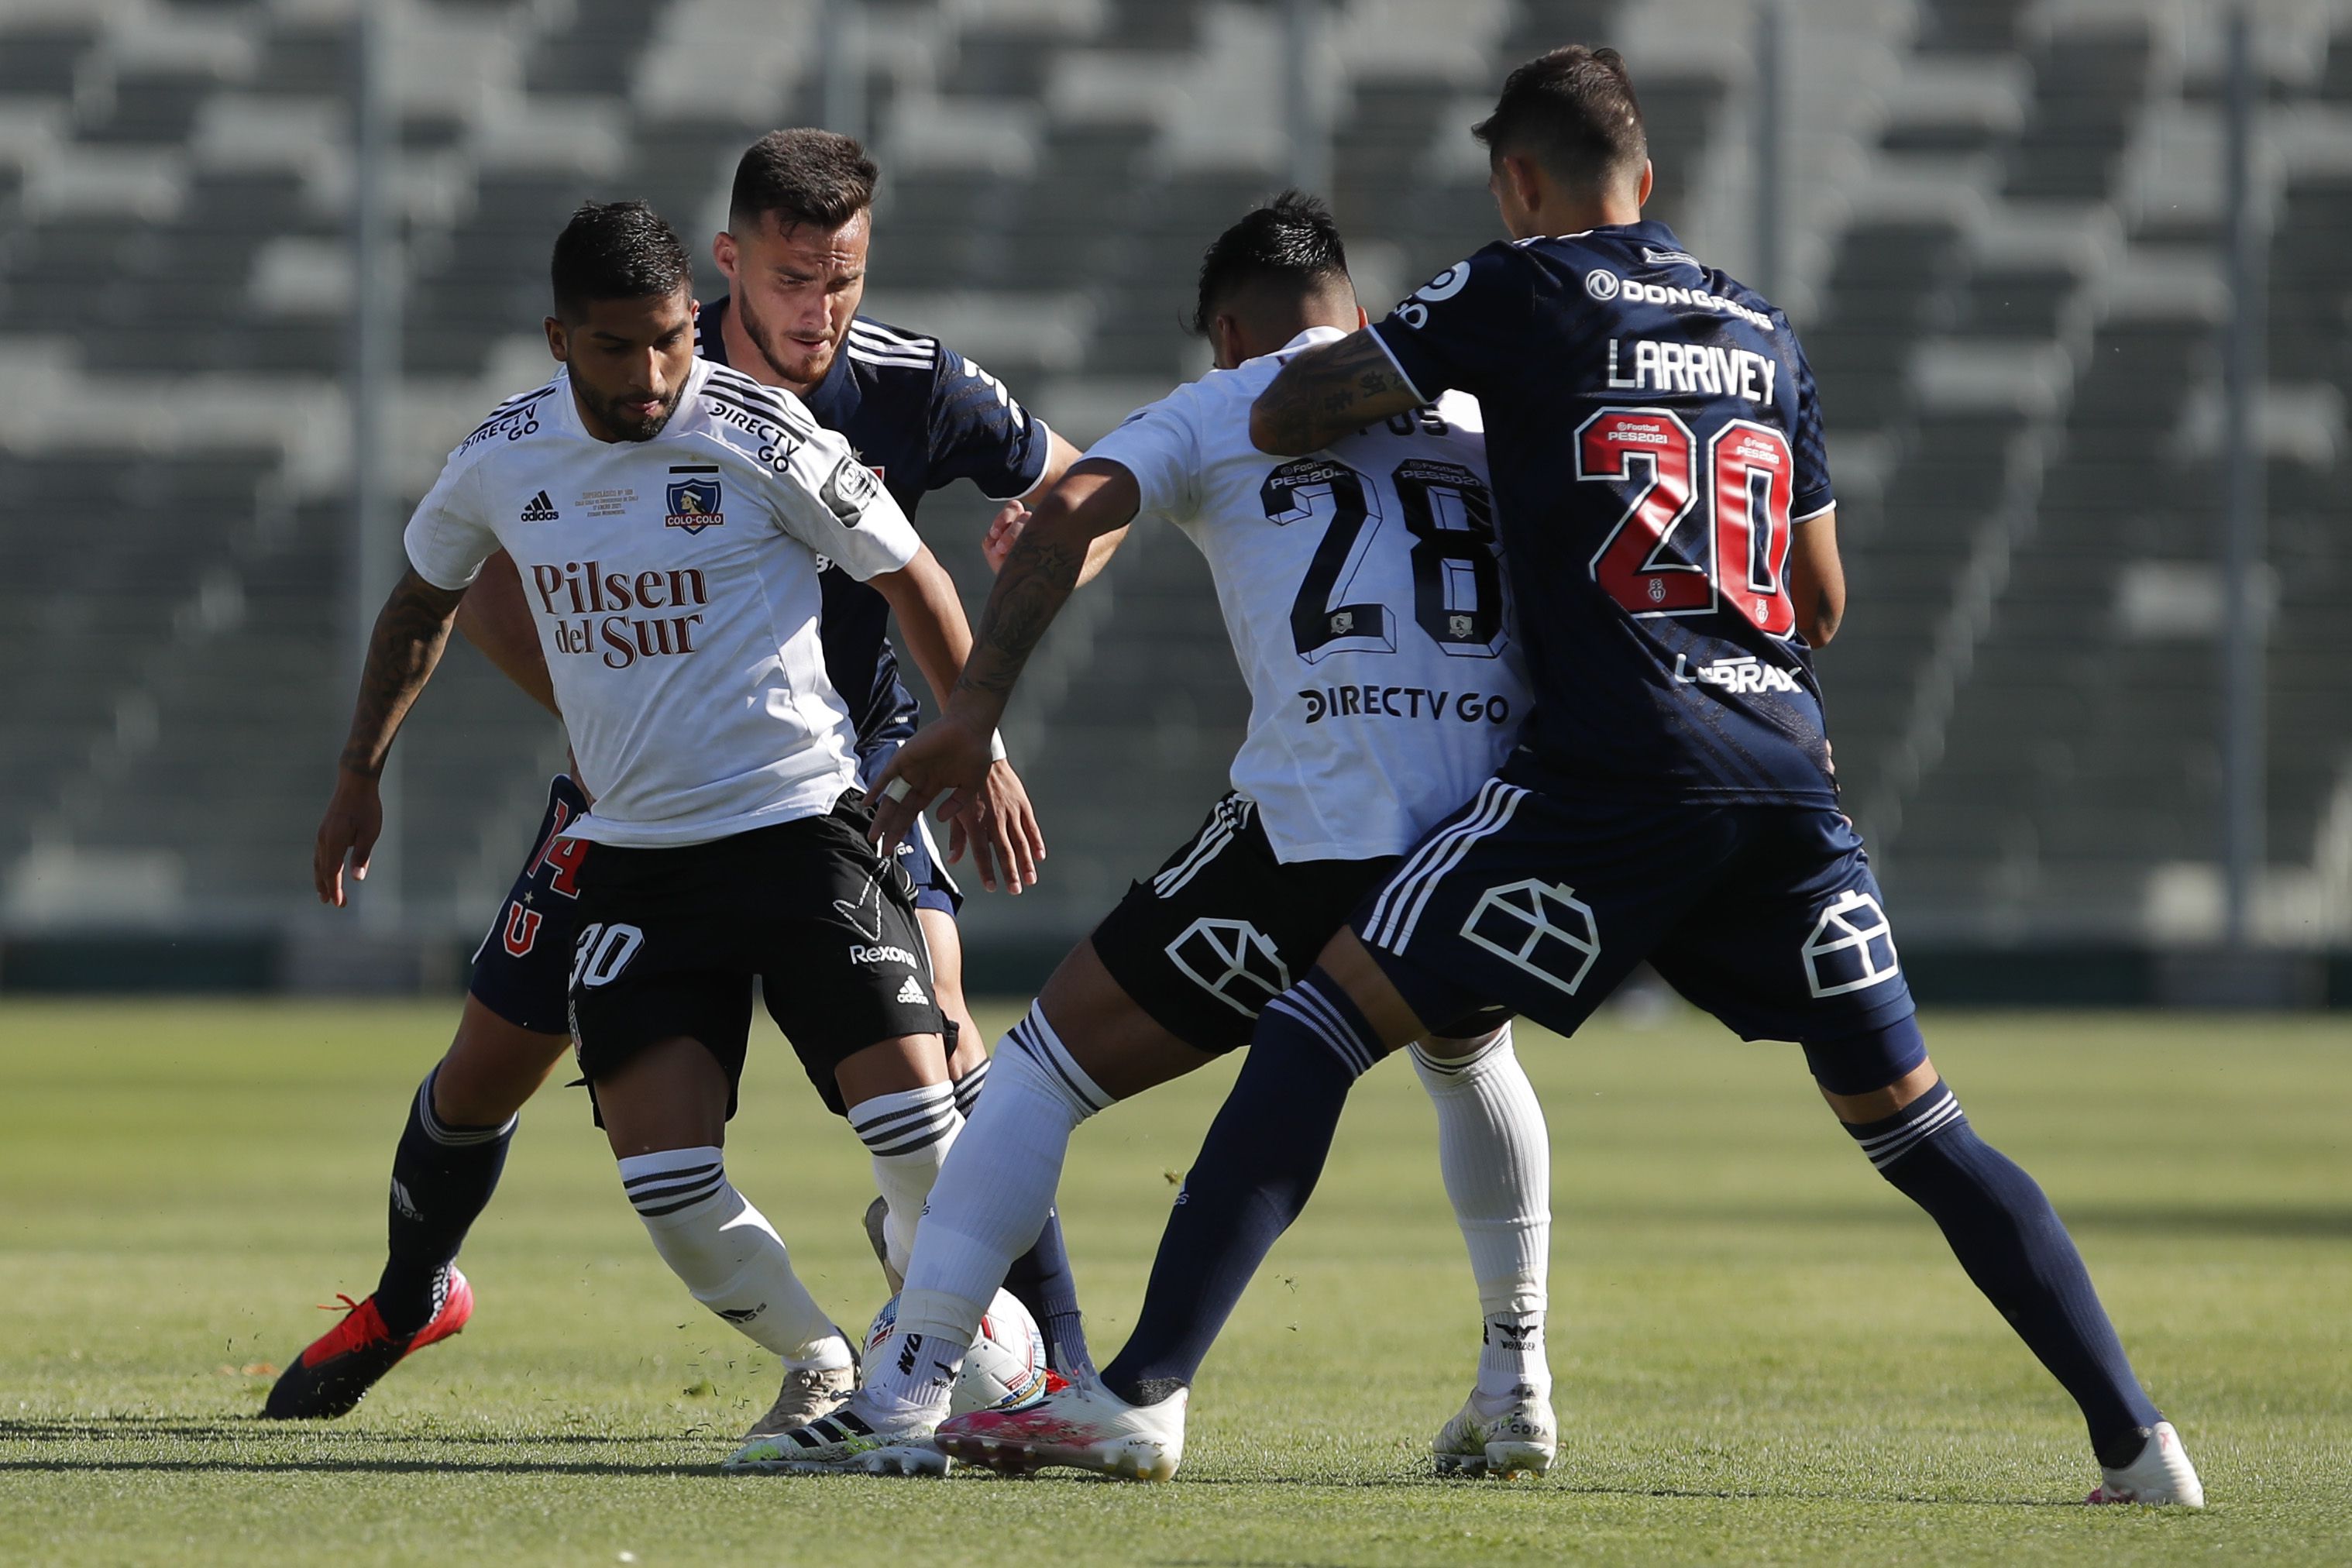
[[1654, 437], [1360, 588]]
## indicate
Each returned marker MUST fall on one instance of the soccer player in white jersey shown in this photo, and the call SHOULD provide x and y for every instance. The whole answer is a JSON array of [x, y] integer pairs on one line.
[[675, 597], [922, 415], [1361, 593]]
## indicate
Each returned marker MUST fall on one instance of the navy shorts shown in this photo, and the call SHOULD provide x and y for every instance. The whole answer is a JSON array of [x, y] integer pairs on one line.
[[523, 965], [1541, 897]]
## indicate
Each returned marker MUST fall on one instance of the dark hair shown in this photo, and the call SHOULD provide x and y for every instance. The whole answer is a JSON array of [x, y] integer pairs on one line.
[[1291, 238], [801, 176], [615, 250], [1573, 111]]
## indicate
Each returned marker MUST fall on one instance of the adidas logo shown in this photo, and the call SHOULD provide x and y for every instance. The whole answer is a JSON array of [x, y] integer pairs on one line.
[[404, 1203], [539, 509], [912, 993]]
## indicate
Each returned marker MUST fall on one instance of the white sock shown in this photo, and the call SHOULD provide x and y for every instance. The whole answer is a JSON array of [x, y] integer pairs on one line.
[[1496, 1156], [908, 1133], [989, 1206], [729, 1255]]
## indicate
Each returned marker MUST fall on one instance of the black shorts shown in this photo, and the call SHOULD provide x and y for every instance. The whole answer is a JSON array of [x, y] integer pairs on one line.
[[524, 961], [671, 940], [1224, 927]]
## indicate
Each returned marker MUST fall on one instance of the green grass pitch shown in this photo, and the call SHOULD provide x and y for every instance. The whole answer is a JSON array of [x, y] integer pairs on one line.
[[1763, 1353]]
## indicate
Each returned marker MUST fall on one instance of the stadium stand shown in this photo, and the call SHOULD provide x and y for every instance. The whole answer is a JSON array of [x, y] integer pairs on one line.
[[2003, 220]]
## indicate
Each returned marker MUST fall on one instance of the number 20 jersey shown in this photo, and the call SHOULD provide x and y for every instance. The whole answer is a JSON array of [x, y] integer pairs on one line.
[[1655, 436], [1360, 589]]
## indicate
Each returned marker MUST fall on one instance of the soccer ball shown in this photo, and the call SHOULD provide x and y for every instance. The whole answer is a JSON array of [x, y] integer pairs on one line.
[[1005, 1367]]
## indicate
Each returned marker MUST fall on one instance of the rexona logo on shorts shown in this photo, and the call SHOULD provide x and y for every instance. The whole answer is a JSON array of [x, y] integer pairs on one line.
[[849, 489], [875, 957], [694, 502]]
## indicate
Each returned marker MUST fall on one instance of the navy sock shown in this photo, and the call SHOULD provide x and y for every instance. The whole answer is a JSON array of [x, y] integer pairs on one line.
[[1040, 1278], [2015, 1247], [442, 1179], [1254, 1173]]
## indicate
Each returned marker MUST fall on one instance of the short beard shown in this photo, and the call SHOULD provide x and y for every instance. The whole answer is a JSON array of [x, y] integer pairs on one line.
[[630, 429], [758, 333]]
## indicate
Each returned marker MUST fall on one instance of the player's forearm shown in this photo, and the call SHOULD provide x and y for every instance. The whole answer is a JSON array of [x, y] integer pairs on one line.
[[1098, 555], [1816, 578], [1062, 457], [923, 602], [409, 633], [1065, 542], [1327, 392], [496, 618]]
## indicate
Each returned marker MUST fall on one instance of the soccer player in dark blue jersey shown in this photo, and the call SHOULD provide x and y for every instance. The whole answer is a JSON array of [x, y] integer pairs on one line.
[[1667, 516], [922, 416]]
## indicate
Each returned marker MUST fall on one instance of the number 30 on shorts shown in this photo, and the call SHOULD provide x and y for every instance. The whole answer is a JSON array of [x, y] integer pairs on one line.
[[603, 952]]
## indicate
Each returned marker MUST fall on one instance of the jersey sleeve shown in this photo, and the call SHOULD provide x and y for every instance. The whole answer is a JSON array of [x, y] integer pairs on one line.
[[833, 504], [980, 432], [447, 537], [1160, 446], [1463, 326], [1813, 494]]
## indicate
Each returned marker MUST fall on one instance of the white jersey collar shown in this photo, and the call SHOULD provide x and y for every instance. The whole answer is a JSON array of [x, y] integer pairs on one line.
[[1313, 337]]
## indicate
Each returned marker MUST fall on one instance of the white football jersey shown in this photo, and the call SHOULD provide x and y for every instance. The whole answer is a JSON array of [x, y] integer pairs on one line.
[[1364, 598], [675, 585]]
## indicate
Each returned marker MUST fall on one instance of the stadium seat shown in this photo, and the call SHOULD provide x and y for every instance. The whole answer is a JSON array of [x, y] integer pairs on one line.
[[2010, 313]]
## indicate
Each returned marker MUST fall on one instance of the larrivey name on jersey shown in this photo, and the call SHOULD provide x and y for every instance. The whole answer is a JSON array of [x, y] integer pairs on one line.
[[1718, 372]]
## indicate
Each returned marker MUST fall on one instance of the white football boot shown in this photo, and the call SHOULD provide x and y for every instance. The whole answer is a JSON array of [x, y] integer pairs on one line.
[[846, 1442], [807, 1393], [1084, 1426], [2161, 1476], [1514, 1437]]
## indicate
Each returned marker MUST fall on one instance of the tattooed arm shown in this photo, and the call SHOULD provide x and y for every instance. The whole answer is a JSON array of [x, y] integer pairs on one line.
[[1327, 392], [1001, 826], [1096, 498], [409, 633], [1052, 557]]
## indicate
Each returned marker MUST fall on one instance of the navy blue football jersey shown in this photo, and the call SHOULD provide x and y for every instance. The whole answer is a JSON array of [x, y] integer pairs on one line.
[[1653, 436], [922, 416]]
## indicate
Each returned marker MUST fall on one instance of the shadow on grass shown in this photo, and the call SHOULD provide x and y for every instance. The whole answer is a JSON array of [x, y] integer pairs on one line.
[[249, 1428], [243, 1430], [396, 1467], [2272, 1222], [352, 1466], [2246, 1222], [241, 1434]]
